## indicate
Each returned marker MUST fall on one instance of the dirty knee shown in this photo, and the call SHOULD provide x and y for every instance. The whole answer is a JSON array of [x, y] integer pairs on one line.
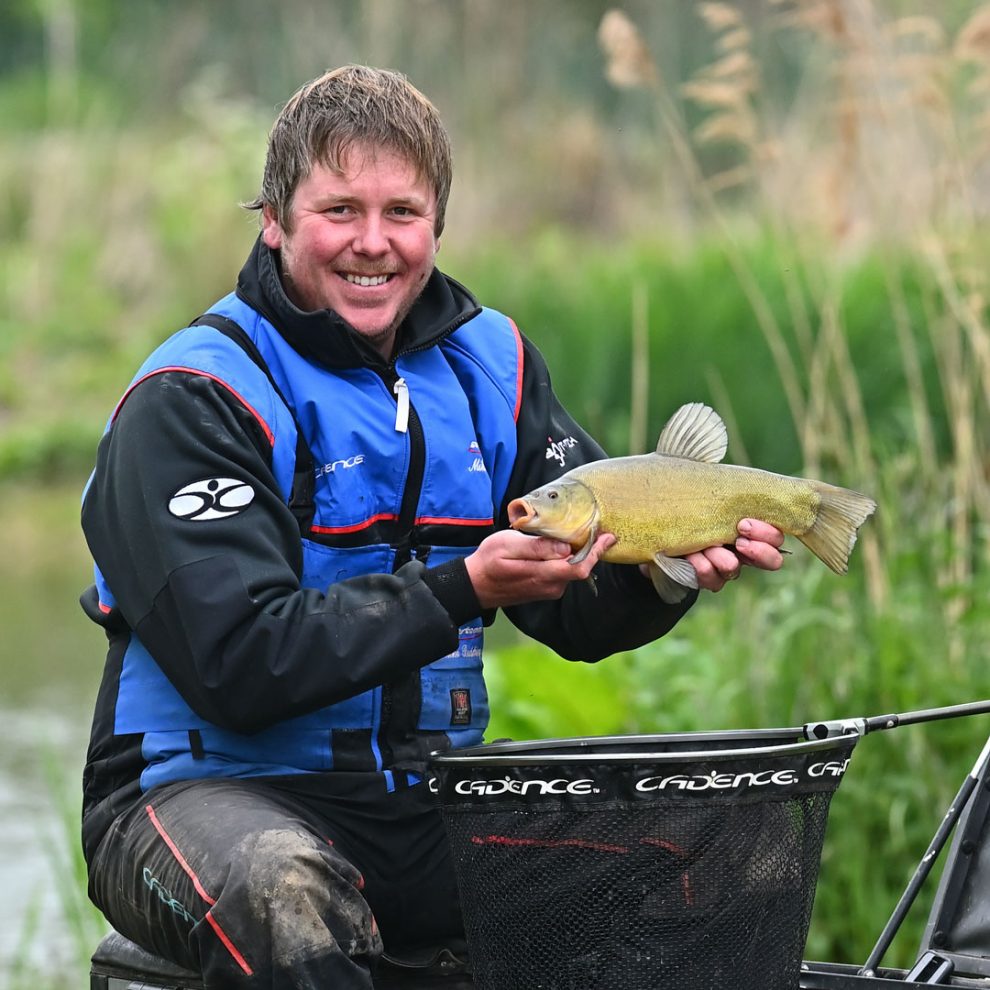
[[306, 896]]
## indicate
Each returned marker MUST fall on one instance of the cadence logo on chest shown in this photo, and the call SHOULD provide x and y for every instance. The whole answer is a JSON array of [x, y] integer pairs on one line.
[[344, 463], [211, 498]]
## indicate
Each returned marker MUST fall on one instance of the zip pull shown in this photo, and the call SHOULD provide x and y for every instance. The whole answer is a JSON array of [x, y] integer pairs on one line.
[[401, 391]]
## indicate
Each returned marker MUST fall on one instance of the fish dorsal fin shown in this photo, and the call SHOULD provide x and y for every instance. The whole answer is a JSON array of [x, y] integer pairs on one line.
[[696, 432]]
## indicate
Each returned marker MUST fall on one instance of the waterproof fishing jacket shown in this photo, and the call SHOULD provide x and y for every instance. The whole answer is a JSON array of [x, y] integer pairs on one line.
[[279, 520]]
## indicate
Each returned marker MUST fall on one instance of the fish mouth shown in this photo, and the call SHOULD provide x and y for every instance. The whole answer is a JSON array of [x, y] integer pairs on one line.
[[521, 513]]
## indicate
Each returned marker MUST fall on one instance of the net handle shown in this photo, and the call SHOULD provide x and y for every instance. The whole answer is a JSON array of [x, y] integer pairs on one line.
[[861, 726], [949, 820]]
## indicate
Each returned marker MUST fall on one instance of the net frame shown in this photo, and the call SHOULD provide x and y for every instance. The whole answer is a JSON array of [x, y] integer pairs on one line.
[[573, 856]]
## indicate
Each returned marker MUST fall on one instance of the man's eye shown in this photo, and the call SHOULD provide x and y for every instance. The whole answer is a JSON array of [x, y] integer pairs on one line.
[[337, 211]]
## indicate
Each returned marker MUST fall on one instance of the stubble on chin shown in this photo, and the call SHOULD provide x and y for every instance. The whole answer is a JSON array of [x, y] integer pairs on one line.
[[385, 337]]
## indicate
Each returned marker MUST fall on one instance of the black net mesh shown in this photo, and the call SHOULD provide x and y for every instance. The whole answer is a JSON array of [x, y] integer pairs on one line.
[[689, 877]]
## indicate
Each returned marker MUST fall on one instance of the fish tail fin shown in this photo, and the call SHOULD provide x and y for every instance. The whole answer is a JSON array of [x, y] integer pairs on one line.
[[833, 533]]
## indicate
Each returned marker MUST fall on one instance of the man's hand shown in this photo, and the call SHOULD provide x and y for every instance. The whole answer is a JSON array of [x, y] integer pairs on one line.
[[510, 568], [758, 545]]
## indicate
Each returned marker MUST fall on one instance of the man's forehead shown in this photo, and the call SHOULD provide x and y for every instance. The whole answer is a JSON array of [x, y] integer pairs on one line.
[[351, 158]]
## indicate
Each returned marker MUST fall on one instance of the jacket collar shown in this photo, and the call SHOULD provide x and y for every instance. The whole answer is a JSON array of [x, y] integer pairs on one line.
[[326, 337]]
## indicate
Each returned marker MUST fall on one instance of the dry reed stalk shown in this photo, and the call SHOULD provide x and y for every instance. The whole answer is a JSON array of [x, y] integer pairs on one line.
[[861, 460], [960, 481], [639, 403], [629, 62], [726, 89], [723, 403], [626, 53], [814, 428], [921, 414], [973, 39], [975, 332]]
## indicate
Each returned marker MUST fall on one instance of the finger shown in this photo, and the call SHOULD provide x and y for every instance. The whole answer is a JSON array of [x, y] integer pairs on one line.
[[541, 548], [603, 543], [708, 576], [756, 553], [724, 560], [760, 532], [584, 568]]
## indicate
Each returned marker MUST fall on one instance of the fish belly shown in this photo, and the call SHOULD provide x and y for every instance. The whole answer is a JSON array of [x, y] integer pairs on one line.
[[658, 504]]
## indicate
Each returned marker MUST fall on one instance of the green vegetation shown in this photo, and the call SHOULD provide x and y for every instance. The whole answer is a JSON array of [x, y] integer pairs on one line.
[[803, 251]]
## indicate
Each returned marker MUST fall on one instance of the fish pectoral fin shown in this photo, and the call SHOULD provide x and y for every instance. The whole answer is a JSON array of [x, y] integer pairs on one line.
[[677, 569], [695, 432], [672, 577], [586, 549]]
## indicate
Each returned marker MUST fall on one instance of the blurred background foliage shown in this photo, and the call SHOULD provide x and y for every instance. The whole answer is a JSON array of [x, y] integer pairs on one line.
[[776, 206]]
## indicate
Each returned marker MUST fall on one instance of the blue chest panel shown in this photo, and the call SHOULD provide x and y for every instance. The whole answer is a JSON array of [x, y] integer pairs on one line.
[[464, 394]]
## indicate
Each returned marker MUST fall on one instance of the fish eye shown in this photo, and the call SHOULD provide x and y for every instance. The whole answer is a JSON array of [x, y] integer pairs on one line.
[[552, 494]]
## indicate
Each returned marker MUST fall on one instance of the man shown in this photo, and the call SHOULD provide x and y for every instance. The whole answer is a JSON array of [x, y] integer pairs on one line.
[[298, 522]]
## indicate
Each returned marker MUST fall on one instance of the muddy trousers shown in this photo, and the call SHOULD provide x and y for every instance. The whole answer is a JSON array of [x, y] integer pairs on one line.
[[255, 884]]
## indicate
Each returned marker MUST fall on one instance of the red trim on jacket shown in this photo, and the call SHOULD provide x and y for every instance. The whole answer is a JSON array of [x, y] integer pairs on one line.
[[519, 369], [355, 527], [213, 378]]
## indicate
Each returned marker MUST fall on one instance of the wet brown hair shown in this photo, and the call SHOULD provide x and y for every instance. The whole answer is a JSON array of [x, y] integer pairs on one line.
[[355, 105]]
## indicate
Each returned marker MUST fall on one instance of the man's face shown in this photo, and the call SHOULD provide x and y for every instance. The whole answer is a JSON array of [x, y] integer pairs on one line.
[[361, 243]]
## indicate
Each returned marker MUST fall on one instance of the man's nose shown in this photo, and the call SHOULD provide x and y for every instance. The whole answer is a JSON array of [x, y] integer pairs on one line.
[[370, 237]]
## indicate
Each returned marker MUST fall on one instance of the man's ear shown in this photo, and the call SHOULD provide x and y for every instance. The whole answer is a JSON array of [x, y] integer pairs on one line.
[[271, 229]]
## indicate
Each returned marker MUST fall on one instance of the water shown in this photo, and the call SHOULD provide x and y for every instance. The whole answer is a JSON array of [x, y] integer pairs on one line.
[[51, 658], [40, 767]]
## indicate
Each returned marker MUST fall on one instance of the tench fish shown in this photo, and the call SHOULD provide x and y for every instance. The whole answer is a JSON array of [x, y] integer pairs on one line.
[[680, 499]]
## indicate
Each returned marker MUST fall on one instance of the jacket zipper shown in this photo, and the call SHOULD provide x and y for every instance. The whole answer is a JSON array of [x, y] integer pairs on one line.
[[406, 421]]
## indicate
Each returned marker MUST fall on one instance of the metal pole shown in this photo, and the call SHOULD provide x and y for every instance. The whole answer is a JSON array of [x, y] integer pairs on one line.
[[925, 866], [845, 726]]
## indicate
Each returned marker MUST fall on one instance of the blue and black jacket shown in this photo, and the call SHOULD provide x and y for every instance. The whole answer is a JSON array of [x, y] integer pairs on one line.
[[279, 520]]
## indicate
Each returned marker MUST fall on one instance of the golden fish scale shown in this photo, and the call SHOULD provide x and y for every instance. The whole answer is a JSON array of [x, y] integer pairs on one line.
[[654, 502]]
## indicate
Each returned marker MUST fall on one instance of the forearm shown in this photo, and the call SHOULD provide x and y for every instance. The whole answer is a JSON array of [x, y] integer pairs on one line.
[[244, 661]]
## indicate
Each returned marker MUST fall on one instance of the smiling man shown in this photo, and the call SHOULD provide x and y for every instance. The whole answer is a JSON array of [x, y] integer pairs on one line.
[[360, 241], [298, 520]]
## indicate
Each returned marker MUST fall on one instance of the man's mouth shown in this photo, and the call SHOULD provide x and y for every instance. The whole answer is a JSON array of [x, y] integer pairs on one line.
[[366, 280]]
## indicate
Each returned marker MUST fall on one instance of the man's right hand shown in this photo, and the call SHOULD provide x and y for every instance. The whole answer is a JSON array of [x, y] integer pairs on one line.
[[511, 568]]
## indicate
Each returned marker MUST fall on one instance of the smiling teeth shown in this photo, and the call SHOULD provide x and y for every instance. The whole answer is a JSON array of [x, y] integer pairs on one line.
[[367, 279]]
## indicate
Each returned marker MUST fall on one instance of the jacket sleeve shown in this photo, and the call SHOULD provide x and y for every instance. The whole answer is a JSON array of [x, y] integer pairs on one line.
[[217, 601], [626, 612]]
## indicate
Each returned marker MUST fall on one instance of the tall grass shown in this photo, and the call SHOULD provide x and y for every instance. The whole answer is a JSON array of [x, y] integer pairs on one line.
[[64, 940]]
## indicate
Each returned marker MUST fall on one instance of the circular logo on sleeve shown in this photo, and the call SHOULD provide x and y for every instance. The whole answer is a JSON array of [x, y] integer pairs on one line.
[[212, 498]]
